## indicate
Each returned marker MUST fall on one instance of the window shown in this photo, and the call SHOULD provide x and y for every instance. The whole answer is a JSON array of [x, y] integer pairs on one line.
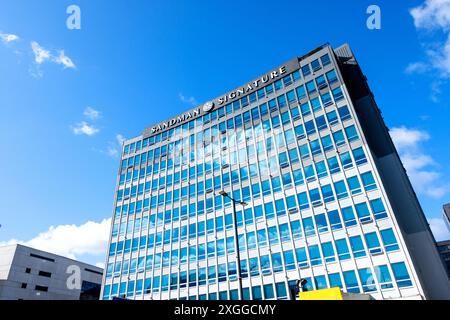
[[301, 93], [325, 59], [268, 291], [341, 190], [368, 181], [351, 281], [335, 220], [265, 265], [367, 280], [314, 255], [308, 225], [384, 277], [378, 209], [303, 201], [357, 246], [273, 236], [342, 249], [296, 229], [299, 131], [333, 165], [306, 70], [314, 195], [23, 285], [328, 252], [401, 275], [327, 193], [280, 289], [302, 259], [332, 118], [337, 94], [310, 87], [284, 232], [321, 223], [28, 270], [363, 212], [351, 133], [277, 264], [344, 113], [45, 274], [338, 137], [389, 240], [315, 64], [41, 288], [354, 185], [359, 155], [289, 261], [373, 243], [335, 280]]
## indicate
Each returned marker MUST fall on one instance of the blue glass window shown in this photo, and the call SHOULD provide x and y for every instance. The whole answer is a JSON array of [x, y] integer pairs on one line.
[[314, 255], [302, 259], [384, 277], [389, 240], [351, 281], [357, 246], [308, 226], [378, 209], [367, 280], [373, 243], [401, 275], [335, 280], [335, 220], [328, 252], [363, 212], [368, 181]]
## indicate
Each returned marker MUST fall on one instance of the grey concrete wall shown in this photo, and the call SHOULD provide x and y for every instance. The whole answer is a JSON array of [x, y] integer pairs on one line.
[[10, 288]]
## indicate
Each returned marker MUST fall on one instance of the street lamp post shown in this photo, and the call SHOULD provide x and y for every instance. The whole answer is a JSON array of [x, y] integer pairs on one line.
[[236, 241]]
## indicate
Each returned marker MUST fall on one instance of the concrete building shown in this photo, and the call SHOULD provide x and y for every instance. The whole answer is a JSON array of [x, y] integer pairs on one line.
[[30, 274], [444, 251], [290, 176]]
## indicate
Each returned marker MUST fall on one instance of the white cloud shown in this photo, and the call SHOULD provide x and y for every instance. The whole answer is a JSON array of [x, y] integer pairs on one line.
[[40, 54], [114, 148], [433, 16], [91, 113], [84, 128], [408, 138], [100, 265], [64, 60], [71, 240], [416, 67], [421, 168], [8, 37], [188, 100], [439, 229], [120, 139]]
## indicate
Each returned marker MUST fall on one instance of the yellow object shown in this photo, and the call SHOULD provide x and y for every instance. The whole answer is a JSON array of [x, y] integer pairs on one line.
[[325, 294]]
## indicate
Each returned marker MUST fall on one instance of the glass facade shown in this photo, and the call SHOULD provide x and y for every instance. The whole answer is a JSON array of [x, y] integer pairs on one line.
[[293, 151]]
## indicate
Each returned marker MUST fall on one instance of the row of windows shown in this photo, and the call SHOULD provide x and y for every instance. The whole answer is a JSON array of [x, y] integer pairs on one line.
[[233, 107], [365, 280], [282, 206], [297, 229], [305, 257], [273, 185], [314, 147], [292, 115]]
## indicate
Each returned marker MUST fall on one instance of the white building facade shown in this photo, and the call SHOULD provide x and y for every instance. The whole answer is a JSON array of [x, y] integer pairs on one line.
[[319, 189]]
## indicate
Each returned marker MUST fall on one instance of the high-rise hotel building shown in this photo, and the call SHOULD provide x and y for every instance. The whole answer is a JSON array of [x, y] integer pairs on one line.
[[319, 190]]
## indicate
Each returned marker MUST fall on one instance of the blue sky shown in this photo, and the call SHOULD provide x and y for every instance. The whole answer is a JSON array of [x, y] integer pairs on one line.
[[68, 97]]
